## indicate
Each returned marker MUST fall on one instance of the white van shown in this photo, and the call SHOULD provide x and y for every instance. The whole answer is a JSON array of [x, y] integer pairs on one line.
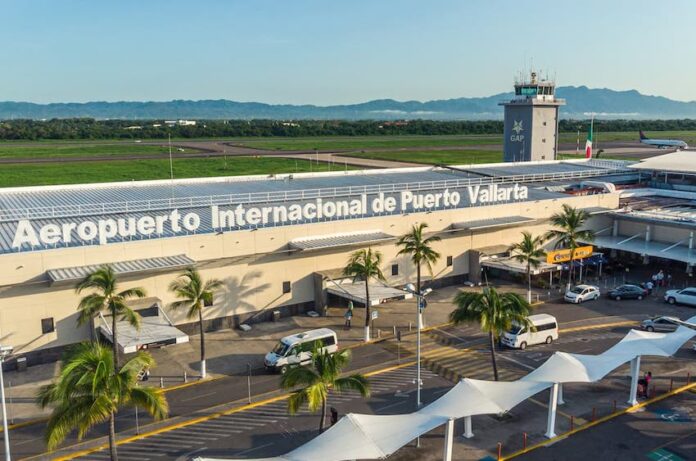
[[545, 331], [297, 349]]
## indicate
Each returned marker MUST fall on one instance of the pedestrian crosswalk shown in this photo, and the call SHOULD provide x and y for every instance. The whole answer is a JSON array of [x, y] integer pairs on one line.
[[453, 359], [180, 441]]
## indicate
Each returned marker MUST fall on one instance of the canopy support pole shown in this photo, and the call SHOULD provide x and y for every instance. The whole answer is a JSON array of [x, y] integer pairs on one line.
[[551, 421], [635, 371], [468, 432], [449, 436], [560, 394]]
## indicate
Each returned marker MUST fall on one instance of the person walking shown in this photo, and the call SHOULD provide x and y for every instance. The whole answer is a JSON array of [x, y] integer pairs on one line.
[[349, 315], [649, 286], [660, 278]]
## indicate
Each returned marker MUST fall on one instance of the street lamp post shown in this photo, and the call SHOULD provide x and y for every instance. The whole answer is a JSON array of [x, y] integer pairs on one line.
[[420, 304], [4, 352]]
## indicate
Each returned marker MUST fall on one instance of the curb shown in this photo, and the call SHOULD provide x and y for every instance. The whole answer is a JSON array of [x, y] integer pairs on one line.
[[31, 422], [687, 387], [353, 346], [200, 419]]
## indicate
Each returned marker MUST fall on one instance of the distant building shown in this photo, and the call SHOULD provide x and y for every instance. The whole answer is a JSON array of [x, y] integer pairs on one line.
[[179, 122], [531, 121]]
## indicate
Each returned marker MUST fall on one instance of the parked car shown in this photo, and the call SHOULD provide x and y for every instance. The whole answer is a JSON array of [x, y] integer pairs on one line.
[[627, 292], [545, 330], [633, 282], [581, 293], [661, 323], [296, 350], [685, 296]]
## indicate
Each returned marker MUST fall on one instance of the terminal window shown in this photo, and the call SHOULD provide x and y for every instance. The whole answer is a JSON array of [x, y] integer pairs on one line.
[[286, 287], [395, 269], [449, 261], [47, 325]]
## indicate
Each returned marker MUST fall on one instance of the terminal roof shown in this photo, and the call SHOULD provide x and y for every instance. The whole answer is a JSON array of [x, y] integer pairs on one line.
[[92, 199]]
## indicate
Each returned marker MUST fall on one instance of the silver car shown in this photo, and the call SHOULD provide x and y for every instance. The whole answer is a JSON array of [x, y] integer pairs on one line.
[[661, 323]]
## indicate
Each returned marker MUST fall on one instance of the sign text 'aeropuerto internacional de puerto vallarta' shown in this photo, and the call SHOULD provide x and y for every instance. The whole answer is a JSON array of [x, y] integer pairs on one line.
[[123, 227]]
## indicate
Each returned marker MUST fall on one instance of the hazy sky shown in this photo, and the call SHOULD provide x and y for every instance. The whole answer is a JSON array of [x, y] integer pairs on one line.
[[336, 51]]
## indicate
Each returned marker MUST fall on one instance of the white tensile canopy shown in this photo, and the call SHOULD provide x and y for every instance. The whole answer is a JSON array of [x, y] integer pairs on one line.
[[358, 436]]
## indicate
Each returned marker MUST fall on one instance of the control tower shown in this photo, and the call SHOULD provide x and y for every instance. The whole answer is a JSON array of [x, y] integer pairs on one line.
[[531, 121]]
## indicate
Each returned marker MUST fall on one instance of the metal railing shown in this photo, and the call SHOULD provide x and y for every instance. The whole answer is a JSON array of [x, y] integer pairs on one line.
[[90, 209]]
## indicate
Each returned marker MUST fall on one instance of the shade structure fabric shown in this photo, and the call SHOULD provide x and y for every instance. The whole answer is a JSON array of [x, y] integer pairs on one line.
[[358, 436], [475, 397], [355, 291], [513, 265]]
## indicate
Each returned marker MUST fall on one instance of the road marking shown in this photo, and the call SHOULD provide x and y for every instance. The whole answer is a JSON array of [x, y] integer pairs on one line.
[[283, 397], [523, 365], [599, 326], [254, 449], [641, 405], [199, 396]]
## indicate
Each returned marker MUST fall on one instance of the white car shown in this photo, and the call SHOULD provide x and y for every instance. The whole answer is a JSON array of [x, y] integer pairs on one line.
[[685, 296], [581, 293]]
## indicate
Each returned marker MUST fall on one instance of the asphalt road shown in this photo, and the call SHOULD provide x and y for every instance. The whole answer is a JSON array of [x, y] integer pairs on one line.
[[28, 441], [269, 430], [665, 431], [207, 397]]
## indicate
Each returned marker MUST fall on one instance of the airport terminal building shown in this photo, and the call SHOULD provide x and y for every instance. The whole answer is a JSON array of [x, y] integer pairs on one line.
[[279, 243]]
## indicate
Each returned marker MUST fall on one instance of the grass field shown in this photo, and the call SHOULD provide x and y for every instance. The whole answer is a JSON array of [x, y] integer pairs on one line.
[[366, 142], [91, 172], [688, 136], [450, 157], [84, 149]]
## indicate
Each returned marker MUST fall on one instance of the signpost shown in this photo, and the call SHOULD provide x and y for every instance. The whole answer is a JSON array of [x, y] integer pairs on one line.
[[561, 256]]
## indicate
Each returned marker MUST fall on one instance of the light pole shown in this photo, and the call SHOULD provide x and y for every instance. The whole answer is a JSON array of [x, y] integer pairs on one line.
[[420, 304], [4, 352]]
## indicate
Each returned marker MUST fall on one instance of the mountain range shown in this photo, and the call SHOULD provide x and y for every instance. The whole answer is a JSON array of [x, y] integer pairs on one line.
[[580, 102]]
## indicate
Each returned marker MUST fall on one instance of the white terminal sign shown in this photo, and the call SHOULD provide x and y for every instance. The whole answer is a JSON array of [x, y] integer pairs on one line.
[[174, 221]]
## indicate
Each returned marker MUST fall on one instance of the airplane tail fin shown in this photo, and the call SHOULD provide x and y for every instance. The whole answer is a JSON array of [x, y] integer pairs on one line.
[[642, 135]]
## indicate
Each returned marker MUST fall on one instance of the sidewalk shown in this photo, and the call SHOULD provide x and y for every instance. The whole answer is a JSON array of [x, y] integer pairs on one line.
[[583, 402], [229, 351]]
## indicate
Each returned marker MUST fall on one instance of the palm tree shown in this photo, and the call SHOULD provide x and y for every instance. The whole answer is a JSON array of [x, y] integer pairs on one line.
[[87, 392], [419, 249], [529, 251], [495, 312], [364, 264], [569, 232], [194, 294], [319, 379], [106, 297]]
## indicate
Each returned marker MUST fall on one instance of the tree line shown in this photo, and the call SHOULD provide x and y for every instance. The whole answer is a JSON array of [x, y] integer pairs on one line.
[[88, 128]]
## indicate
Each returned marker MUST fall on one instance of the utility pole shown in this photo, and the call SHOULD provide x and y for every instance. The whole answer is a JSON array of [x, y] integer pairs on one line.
[[171, 163]]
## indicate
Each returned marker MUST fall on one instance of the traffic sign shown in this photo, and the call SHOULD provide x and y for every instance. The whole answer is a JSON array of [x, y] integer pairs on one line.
[[374, 315]]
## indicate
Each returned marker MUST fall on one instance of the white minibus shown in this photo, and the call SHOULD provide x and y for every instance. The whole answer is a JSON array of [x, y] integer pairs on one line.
[[297, 349], [545, 331]]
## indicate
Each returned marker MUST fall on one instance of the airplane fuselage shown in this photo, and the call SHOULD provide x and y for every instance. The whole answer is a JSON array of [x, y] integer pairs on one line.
[[664, 143]]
